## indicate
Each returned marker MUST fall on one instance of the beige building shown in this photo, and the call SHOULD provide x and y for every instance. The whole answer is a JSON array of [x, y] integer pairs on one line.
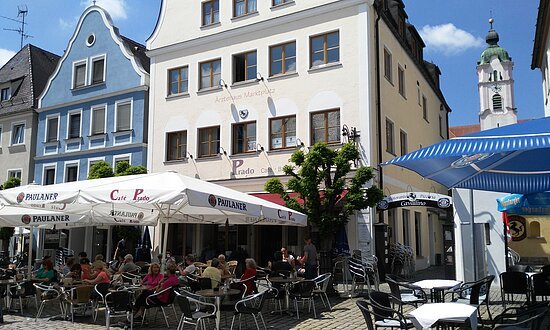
[[237, 87]]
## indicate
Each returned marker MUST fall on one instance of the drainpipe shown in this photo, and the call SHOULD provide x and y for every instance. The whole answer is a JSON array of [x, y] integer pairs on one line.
[[378, 106]]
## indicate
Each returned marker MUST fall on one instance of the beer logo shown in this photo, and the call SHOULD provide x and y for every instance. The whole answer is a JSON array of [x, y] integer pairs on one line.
[[411, 196], [20, 197], [140, 216], [26, 219], [212, 200], [443, 203], [469, 160], [383, 204]]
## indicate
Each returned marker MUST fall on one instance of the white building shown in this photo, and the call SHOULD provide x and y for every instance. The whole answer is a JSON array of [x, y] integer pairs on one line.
[[237, 87], [541, 51]]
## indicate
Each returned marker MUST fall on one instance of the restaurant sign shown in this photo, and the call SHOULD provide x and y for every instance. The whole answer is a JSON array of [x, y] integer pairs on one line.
[[408, 199]]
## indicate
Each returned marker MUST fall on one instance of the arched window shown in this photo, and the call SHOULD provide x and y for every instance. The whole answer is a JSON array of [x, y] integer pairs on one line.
[[534, 229], [495, 75], [497, 102]]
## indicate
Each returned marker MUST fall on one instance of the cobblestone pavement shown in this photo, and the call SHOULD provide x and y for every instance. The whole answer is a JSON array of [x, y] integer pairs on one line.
[[345, 315]]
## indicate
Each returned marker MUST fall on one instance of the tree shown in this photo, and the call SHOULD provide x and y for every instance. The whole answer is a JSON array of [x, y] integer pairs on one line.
[[101, 169], [320, 178]]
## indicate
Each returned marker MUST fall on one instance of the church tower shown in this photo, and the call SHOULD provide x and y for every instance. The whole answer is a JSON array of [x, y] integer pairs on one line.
[[495, 84]]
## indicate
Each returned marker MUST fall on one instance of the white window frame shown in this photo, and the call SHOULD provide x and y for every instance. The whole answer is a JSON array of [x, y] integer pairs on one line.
[[73, 75], [121, 157], [71, 163], [48, 118], [79, 111], [12, 170], [47, 167], [90, 163], [17, 123], [96, 108], [131, 101], [94, 59], [9, 93], [1, 134]]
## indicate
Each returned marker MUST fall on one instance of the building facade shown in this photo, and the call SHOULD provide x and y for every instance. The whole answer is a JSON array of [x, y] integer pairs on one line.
[[541, 51], [239, 86], [93, 108]]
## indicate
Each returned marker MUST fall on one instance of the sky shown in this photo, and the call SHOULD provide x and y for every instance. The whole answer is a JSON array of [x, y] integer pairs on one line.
[[453, 30]]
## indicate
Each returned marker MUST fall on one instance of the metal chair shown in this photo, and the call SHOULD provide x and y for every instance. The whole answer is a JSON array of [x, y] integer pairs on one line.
[[130, 278], [153, 301], [405, 293], [98, 297], [540, 286], [46, 294], [119, 304], [24, 290], [377, 315], [474, 293], [251, 305], [231, 266], [359, 276], [303, 291], [321, 284], [534, 316], [514, 283], [79, 297], [194, 311]]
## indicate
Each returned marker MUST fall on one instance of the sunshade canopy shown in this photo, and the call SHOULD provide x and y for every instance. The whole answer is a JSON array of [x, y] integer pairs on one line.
[[531, 204], [141, 199], [513, 158]]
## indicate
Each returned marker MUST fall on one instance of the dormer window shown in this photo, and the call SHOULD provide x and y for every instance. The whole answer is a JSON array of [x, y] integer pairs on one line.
[[5, 94], [98, 70]]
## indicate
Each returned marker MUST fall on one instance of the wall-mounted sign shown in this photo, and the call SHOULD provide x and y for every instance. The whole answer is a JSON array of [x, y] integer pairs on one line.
[[517, 227], [408, 199]]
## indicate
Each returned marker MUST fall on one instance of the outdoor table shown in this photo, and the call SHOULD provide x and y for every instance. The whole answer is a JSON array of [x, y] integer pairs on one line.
[[218, 294], [427, 315], [5, 283], [286, 283], [437, 287]]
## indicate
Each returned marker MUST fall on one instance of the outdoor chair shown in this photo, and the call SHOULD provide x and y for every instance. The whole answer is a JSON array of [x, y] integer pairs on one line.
[[303, 291], [119, 304], [534, 316], [79, 298], [251, 305], [359, 276], [228, 303], [130, 278], [545, 269], [514, 283], [321, 284], [541, 286], [276, 294], [231, 266], [405, 293], [474, 293], [98, 297], [46, 294], [205, 283], [24, 290], [194, 311], [261, 275], [152, 301], [379, 309]]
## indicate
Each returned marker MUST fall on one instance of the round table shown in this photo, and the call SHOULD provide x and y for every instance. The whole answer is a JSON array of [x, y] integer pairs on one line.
[[211, 293], [437, 287], [285, 282]]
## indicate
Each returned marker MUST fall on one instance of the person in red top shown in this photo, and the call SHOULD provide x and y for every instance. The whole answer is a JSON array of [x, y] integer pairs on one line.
[[86, 269], [101, 276], [249, 275], [170, 280], [153, 278]]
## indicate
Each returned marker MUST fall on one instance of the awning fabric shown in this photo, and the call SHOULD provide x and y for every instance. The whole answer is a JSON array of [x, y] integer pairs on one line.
[[513, 158]]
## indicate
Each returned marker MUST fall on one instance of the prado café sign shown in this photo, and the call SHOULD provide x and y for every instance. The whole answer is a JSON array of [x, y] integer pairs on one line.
[[409, 199]]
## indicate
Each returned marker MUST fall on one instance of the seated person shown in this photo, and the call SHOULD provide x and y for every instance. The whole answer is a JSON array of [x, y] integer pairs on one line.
[[223, 265], [129, 266], [101, 275], [213, 273], [45, 274], [288, 257], [153, 278], [280, 265], [170, 280], [68, 265], [115, 264], [11, 271], [86, 269], [190, 267], [75, 273], [249, 275]]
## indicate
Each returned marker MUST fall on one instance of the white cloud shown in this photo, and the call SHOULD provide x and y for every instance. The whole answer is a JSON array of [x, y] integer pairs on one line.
[[5, 56], [115, 8], [448, 39], [67, 24]]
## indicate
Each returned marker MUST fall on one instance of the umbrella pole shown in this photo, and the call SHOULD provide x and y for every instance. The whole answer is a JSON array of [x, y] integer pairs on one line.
[[505, 225], [29, 258]]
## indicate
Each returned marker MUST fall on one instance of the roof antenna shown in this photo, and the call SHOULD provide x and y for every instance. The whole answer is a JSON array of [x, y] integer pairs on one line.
[[491, 20], [22, 12]]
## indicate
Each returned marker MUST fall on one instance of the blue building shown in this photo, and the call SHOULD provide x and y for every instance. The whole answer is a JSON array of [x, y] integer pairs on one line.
[[93, 108]]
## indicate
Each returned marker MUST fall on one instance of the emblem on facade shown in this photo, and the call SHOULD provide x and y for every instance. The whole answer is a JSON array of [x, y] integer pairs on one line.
[[212, 200], [20, 197], [140, 216], [26, 219], [443, 203]]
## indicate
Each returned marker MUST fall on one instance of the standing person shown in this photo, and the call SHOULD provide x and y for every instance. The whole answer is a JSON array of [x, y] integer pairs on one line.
[[120, 248], [309, 260]]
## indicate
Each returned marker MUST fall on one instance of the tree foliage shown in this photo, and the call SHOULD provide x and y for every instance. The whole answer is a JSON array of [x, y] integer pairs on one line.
[[320, 178], [7, 232], [102, 169]]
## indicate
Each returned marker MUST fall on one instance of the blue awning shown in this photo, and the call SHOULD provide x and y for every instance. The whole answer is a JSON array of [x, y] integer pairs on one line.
[[531, 204], [513, 158]]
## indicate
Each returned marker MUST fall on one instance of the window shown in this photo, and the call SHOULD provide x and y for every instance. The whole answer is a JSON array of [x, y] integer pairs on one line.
[[176, 146], [403, 142], [121, 163], [282, 58], [71, 173], [243, 7], [401, 78], [424, 108], [209, 141], [210, 12], [244, 66], [280, 2], [52, 127], [74, 125], [418, 98], [244, 137], [49, 175], [325, 126], [5, 94], [210, 74], [98, 121], [390, 145], [497, 102], [123, 116], [325, 49], [387, 65], [282, 132], [418, 233], [406, 228], [14, 174], [18, 134], [79, 75], [392, 225], [178, 80], [98, 70], [441, 126], [534, 229]]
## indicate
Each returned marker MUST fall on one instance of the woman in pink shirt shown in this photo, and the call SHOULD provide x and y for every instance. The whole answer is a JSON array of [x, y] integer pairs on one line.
[[170, 280], [153, 278]]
